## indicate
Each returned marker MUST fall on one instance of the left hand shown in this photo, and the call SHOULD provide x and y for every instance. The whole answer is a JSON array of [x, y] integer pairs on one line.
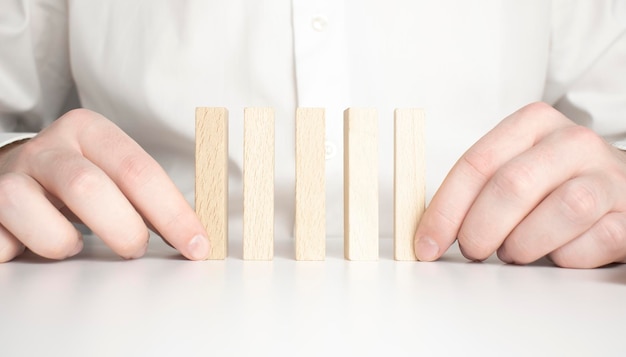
[[537, 184]]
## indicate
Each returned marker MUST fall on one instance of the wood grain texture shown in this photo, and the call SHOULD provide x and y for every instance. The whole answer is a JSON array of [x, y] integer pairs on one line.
[[310, 206], [258, 184], [212, 177], [409, 182], [361, 184]]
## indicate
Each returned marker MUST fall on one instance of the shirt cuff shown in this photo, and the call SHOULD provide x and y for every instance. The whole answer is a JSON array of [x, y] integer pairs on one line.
[[10, 138], [620, 144]]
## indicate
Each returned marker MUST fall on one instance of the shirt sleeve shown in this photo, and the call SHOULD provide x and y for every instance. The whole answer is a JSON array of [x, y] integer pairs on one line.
[[35, 76], [10, 138], [586, 79]]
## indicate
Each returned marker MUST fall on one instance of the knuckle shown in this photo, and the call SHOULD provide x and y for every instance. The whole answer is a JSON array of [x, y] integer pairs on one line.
[[11, 186], [174, 221], [59, 248], [84, 182], [133, 244], [537, 109], [77, 116], [9, 250], [136, 171], [580, 135], [521, 252], [573, 259], [532, 111], [9, 183], [479, 164], [578, 202], [612, 234], [30, 149], [472, 247], [609, 234], [179, 224], [445, 215], [27, 153], [60, 245], [564, 260], [513, 182], [75, 120], [536, 114]]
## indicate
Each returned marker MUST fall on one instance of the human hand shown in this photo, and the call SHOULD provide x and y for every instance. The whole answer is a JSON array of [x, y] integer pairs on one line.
[[83, 166], [536, 185]]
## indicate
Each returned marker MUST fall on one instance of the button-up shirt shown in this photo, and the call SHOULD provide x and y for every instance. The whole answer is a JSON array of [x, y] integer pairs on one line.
[[147, 64]]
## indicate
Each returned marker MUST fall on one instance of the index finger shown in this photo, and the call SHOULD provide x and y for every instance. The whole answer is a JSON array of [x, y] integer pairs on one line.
[[444, 216], [144, 182]]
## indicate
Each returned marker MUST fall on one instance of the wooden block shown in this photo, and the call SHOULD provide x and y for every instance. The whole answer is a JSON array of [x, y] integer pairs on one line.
[[360, 184], [212, 177], [310, 215], [258, 184], [409, 182]]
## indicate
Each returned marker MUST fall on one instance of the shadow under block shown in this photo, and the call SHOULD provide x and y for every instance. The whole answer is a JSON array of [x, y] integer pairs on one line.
[[258, 184], [409, 184], [310, 206], [211, 199], [360, 184]]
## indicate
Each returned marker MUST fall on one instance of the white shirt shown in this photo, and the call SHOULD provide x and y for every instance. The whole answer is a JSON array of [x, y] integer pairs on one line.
[[147, 64]]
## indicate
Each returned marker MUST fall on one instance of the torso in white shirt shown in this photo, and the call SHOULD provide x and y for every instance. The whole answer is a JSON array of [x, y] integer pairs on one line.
[[146, 65]]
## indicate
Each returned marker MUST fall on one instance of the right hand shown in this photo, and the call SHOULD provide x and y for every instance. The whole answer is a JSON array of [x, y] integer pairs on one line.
[[84, 167]]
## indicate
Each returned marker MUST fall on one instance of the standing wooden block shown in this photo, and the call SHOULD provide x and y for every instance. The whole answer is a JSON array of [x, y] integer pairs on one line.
[[212, 177], [310, 220], [409, 183], [360, 184], [258, 184]]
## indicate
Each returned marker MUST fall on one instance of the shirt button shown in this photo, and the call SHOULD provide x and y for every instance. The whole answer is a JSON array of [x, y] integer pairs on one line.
[[331, 150], [319, 23]]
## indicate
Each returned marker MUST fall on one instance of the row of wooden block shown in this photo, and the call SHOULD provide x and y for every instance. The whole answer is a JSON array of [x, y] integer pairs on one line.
[[360, 182]]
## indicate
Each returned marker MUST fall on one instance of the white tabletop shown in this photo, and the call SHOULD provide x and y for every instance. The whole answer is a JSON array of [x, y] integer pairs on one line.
[[99, 305]]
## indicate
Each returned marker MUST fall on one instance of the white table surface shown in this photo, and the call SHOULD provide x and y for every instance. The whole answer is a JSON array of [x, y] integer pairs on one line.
[[96, 304]]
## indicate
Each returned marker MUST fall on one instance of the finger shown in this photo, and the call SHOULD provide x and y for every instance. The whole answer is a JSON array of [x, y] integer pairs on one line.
[[521, 184], [94, 198], [65, 211], [146, 185], [69, 214], [565, 214], [28, 216], [517, 133], [10, 247], [603, 243], [151, 227]]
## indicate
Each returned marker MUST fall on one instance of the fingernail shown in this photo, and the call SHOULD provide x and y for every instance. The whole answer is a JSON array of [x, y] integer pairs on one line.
[[426, 249], [198, 248]]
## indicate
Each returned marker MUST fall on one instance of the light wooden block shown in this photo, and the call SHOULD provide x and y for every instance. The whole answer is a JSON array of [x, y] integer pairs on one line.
[[361, 184], [310, 215], [212, 177], [258, 184], [409, 182]]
